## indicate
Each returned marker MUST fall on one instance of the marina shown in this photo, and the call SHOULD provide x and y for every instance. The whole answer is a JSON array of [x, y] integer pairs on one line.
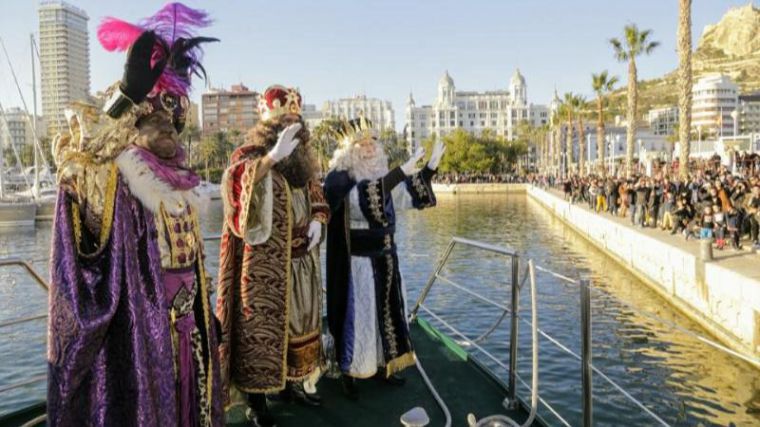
[[675, 375]]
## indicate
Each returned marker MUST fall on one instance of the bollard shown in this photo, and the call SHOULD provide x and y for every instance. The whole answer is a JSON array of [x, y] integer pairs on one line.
[[705, 250]]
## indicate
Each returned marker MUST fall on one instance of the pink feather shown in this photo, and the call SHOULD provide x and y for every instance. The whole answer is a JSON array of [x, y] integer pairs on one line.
[[115, 34]]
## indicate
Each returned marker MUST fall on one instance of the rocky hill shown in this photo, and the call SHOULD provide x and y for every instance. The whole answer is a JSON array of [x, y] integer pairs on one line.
[[732, 47]]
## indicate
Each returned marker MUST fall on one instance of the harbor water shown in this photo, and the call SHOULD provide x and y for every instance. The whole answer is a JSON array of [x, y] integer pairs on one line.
[[676, 376]]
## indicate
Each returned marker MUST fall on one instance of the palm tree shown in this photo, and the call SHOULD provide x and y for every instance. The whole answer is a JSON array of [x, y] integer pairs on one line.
[[602, 83], [634, 43], [684, 86], [567, 113], [556, 144], [579, 106]]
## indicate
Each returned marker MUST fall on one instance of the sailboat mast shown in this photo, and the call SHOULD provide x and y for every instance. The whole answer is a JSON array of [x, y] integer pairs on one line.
[[36, 187]]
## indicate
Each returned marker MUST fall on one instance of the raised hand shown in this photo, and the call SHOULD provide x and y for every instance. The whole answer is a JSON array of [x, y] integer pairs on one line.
[[286, 143], [411, 165], [435, 159]]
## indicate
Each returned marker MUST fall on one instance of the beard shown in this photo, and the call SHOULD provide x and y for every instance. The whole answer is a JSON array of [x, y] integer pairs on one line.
[[300, 167], [363, 168]]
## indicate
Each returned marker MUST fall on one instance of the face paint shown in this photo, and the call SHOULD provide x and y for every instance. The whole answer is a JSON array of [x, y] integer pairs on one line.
[[158, 134]]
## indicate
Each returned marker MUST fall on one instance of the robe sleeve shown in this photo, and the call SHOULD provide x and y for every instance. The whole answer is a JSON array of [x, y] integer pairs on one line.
[[420, 188], [320, 210], [247, 204]]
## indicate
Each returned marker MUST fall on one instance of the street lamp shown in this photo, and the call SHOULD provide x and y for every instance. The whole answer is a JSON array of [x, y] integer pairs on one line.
[[735, 116]]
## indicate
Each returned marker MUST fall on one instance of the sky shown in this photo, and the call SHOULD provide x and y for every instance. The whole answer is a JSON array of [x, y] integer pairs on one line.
[[386, 48]]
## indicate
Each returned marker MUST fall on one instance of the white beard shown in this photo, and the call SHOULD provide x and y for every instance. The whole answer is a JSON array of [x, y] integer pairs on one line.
[[359, 169]]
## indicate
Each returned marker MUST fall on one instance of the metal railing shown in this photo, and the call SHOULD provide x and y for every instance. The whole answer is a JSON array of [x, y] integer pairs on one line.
[[586, 356]]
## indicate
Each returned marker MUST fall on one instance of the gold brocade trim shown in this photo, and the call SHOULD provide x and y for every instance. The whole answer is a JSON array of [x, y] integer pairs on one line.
[[206, 312], [108, 213], [109, 205], [387, 319], [400, 363], [374, 196], [288, 280]]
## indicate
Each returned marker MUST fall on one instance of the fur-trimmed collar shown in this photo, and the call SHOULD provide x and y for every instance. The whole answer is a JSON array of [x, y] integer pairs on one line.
[[151, 191]]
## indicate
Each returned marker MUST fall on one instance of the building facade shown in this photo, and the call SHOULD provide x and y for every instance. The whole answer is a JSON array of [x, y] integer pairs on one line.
[[228, 110], [64, 60], [663, 121], [378, 111], [715, 98], [311, 116], [16, 128], [749, 113], [500, 111]]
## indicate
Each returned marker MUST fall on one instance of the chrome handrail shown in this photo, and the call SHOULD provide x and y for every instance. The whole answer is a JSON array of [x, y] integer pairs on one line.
[[585, 358]]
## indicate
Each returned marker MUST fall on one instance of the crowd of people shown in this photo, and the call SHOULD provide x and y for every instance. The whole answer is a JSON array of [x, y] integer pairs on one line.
[[479, 178], [713, 204]]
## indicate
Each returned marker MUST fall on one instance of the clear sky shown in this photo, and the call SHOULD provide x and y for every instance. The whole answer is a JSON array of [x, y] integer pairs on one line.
[[385, 48]]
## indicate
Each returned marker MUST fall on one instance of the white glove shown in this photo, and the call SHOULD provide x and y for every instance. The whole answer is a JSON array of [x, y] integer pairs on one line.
[[411, 165], [315, 234], [286, 143], [435, 158]]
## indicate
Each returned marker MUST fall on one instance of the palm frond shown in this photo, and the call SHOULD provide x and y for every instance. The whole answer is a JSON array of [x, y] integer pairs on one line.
[[651, 46]]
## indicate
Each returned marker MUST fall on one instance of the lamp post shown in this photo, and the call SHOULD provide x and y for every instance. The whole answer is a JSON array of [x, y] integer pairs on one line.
[[588, 154], [735, 116]]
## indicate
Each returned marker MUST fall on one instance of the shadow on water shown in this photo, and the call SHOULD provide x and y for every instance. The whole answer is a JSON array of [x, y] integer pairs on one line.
[[677, 377]]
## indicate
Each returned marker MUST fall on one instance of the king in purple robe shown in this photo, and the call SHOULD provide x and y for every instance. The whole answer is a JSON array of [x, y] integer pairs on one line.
[[131, 336]]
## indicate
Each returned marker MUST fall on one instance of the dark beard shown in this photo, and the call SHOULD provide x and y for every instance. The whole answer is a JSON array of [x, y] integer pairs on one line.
[[300, 167]]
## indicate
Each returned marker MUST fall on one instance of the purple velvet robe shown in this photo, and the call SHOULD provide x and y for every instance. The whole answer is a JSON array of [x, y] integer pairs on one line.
[[109, 342]]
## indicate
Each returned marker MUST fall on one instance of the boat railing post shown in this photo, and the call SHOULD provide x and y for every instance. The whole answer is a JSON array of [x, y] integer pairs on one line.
[[431, 280], [586, 355], [512, 383]]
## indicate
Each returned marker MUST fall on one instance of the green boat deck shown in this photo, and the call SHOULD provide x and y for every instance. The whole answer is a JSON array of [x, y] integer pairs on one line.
[[462, 383]]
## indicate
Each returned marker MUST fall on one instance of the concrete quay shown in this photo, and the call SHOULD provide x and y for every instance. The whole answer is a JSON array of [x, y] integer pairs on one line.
[[722, 295], [484, 188]]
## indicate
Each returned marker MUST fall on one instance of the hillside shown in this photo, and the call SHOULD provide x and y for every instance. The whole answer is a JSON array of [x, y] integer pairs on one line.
[[732, 47]]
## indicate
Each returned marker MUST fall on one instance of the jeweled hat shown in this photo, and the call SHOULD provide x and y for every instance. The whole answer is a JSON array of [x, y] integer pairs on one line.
[[356, 130], [278, 100], [176, 44]]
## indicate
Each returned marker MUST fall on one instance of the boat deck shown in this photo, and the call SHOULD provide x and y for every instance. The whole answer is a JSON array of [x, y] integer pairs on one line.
[[461, 382]]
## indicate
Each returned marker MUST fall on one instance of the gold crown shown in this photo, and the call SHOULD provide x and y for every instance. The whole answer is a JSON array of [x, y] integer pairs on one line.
[[356, 130]]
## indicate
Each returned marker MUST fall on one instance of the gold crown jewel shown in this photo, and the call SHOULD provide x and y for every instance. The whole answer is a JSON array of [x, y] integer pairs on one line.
[[356, 130]]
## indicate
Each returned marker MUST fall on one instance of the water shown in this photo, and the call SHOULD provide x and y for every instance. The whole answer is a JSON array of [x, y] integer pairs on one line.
[[682, 380]]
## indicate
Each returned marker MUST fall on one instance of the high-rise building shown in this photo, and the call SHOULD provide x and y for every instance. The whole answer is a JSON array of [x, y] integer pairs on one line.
[[715, 98], [227, 110], [16, 128], [378, 111], [64, 59], [499, 111]]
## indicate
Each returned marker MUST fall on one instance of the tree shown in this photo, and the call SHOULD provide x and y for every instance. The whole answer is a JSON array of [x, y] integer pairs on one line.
[[487, 153], [324, 140], [684, 86], [578, 106], [395, 148], [190, 134], [602, 84], [635, 43], [567, 113]]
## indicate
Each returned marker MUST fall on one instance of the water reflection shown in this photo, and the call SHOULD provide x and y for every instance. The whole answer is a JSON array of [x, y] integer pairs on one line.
[[677, 377]]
